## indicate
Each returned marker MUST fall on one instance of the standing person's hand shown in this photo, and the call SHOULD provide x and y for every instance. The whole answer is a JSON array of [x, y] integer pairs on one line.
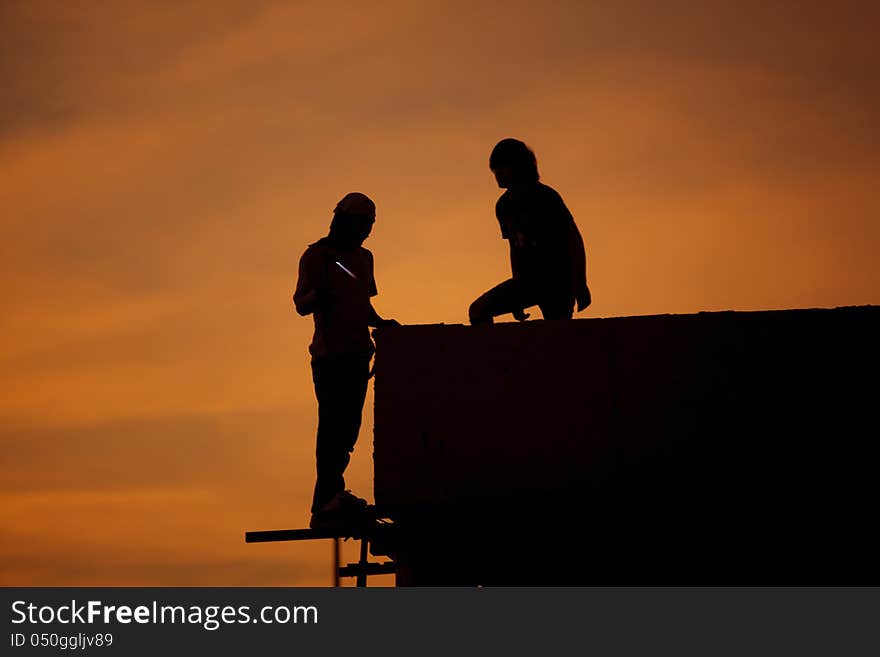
[[314, 298], [306, 302]]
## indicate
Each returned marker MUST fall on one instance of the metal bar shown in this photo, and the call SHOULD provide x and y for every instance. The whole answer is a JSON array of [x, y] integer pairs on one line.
[[336, 568], [372, 568], [362, 576], [290, 535]]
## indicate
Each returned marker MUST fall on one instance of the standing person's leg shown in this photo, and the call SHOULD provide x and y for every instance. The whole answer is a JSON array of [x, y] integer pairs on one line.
[[341, 387], [507, 297]]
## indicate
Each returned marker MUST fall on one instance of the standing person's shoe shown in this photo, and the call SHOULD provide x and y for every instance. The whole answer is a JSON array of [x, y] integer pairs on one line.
[[343, 511]]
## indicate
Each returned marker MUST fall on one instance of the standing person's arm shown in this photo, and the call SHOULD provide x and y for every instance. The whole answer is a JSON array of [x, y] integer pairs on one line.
[[375, 320], [309, 284]]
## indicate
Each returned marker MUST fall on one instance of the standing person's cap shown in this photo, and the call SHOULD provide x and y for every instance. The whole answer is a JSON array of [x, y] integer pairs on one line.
[[356, 203]]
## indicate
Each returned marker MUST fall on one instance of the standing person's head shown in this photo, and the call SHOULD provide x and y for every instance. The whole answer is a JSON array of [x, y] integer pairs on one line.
[[353, 220], [513, 163]]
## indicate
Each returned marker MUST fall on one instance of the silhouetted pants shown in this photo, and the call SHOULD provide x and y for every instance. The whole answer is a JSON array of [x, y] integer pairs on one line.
[[341, 387], [513, 295]]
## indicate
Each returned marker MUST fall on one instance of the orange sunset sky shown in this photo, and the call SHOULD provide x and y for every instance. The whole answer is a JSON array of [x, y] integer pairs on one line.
[[164, 164]]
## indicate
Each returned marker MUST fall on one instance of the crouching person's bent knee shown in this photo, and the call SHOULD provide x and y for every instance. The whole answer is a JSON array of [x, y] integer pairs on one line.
[[480, 311]]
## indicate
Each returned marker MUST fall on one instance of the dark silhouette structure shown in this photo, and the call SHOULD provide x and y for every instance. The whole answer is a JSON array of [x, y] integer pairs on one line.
[[547, 257], [335, 285], [726, 448]]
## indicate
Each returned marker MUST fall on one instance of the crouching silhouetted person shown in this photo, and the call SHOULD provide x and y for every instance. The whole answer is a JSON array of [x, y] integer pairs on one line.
[[547, 258], [335, 285]]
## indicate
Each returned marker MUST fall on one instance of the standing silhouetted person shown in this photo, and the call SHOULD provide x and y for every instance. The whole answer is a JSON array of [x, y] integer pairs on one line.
[[335, 285], [547, 259]]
